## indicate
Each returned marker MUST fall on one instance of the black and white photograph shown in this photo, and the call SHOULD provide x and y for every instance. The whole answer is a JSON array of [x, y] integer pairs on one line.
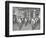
[[24, 18]]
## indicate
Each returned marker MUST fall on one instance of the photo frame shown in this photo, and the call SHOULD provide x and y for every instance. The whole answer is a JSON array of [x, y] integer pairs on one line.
[[24, 18]]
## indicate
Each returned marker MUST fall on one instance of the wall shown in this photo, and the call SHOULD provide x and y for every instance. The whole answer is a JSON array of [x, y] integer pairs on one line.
[[2, 19]]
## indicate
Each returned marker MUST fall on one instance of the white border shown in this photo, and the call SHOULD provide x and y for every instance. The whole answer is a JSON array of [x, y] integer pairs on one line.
[[11, 32]]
